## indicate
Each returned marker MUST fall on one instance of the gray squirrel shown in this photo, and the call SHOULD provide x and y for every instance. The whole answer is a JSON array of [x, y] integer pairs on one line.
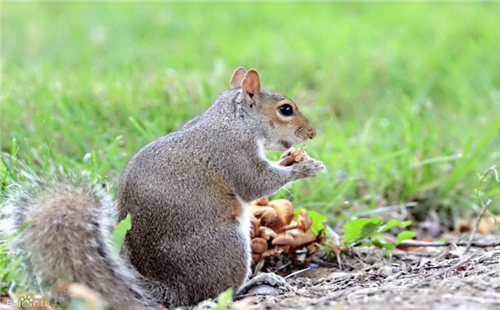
[[187, 193]]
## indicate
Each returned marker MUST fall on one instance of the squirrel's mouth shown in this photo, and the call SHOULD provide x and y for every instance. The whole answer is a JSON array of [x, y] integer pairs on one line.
[[286, 144]]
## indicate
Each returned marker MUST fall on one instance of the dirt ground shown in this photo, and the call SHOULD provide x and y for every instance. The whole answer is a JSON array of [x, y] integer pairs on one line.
[[423, 277], [416, 278]]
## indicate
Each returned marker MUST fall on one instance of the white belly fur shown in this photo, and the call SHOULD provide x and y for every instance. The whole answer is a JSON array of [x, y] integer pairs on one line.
[[244, 221]]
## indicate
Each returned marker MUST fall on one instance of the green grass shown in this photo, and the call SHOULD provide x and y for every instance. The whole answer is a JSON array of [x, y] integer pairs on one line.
[[405, 97]]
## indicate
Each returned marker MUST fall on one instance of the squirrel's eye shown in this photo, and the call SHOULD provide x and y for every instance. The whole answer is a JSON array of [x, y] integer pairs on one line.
[[286, 110]]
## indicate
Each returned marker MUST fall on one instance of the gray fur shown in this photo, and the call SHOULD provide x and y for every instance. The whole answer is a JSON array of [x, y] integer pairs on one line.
[[181, 190], [67, 240], [187, 194]]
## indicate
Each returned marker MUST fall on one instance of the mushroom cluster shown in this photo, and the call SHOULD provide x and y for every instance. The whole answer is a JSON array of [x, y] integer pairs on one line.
[[274, 230]]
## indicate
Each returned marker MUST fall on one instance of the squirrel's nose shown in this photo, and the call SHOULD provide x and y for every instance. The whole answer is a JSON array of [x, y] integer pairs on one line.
[[312, 134]]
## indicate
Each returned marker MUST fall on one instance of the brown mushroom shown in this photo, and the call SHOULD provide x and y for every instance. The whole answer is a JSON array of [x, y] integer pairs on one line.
[[287, 249], [259, 210], [256, 257], [259, 245], [304, 239], [284, 210], [304, 221], [283, 239], [295, 232], [254, 226], [269, 219], [292, 225], [311, 248], [266, 233], [272, 252], [263, 201]]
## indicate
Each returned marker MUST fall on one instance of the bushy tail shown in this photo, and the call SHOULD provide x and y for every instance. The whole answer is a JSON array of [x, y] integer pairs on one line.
[[68, 241]]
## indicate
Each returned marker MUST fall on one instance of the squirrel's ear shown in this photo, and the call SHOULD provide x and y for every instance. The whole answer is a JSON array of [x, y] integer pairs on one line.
[[251, 83], [238, 76]]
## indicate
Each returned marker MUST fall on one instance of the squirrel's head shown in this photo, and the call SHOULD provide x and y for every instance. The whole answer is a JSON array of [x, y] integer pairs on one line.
[[288, 126]]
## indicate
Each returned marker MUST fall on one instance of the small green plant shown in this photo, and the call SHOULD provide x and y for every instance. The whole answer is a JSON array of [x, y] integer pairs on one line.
[[8, 267], [370, 232], [223, 301], [120, 232], [365, 232], [318, 220]]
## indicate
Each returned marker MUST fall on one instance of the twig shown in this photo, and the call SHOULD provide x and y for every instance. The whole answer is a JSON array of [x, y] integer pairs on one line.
[[480, 300], [296, 272], [282, 267], [454, 266], [410, 243], [485, 207]]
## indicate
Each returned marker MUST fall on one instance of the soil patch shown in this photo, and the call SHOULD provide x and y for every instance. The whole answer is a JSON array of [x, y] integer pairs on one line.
[[419, 278]]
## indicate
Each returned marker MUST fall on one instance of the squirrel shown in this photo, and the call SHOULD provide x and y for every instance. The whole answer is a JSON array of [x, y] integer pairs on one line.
[[187, 193]]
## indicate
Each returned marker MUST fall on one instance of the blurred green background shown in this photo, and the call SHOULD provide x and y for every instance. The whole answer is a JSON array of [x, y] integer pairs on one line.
[[405, 96]]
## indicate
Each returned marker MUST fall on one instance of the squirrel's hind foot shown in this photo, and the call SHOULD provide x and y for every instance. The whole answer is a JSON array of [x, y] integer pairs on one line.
[[265, 284]]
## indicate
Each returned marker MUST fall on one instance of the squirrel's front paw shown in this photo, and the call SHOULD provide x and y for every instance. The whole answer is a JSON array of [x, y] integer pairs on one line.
[[307, 169]]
